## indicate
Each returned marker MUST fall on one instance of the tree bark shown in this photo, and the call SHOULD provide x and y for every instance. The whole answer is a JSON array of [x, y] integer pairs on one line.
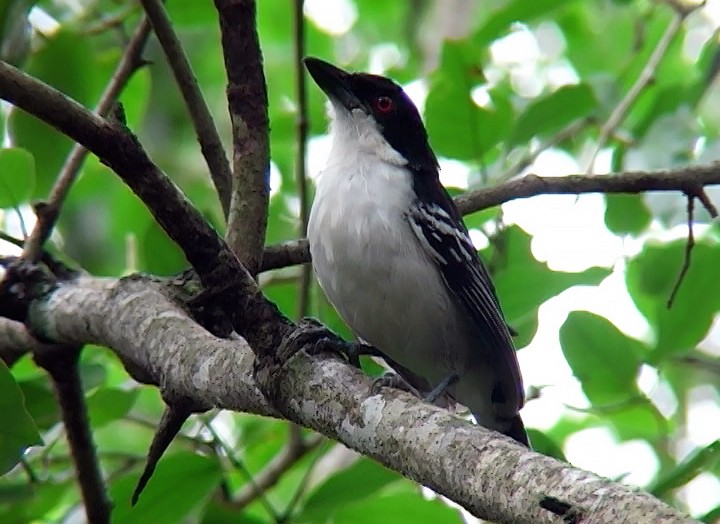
[[481, 470]]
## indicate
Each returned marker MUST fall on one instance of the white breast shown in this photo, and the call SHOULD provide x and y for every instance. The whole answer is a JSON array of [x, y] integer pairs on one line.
[[373, 270]]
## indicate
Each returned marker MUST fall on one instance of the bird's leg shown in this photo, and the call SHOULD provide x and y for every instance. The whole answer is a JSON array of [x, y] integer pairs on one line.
[[441, 388]]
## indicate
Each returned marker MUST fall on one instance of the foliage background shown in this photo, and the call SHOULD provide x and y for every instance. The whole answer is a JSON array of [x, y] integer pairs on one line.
[[490, 115]]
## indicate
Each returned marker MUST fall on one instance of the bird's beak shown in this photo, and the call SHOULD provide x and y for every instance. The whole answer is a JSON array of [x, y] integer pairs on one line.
[[334, 82]]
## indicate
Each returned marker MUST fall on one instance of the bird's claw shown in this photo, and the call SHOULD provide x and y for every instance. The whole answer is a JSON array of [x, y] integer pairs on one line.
[[307, 332], [325, 341], [393, 380]]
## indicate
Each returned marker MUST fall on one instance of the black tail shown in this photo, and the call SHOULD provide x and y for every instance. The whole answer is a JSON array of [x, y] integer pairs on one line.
[[516, 431]]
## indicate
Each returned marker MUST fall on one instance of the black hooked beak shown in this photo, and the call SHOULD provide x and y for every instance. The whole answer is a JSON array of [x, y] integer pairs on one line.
[[334, 82]]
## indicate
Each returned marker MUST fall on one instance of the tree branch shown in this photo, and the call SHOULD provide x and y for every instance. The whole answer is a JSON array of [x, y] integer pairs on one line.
[[155, 339], [15, 341], [301, 123], [207, 134], [247, 104], [686, 179], [688, 252], [62, 364], [284, 254], [690, 179], [643, 80], [483, 471]]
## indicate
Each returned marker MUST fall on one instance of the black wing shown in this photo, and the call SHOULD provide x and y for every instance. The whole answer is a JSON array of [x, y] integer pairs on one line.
[[440, 230]]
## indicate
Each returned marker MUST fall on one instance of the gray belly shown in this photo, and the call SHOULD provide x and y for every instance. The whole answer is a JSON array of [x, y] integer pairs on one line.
[[388, 298]]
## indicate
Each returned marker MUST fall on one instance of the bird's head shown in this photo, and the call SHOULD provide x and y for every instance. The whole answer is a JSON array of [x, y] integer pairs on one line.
[[376, 113]]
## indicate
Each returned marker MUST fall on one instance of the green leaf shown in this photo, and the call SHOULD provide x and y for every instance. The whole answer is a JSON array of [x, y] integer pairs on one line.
[[554, 112], [361, 480], [584, 22], [159, 255], [108, 404], [457, 127], [219, 512], [403, 507], [190, 13], [65, 62], [701, 459], [513, 12], [712, 516], [179, 485], [543, 444], [650, 279], [99, 216], [604, 360], [636, 418], [523, 283], [136, 96], [626, 214], [40, 402], [525, 329], [19, 431], [657, 101], [17, 176], [92, 375], [37, 501]]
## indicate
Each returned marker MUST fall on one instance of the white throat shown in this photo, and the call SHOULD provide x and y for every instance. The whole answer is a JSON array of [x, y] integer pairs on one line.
[[366, 188], [356, 133]]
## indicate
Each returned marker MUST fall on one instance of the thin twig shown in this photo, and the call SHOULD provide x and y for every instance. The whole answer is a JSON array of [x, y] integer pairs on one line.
[[295, 450], [208, 137], [688, 251], [701, 361], [704, 199], [527, 159], [240, 466], [11, 239], [64, 371], [112, 21], [301, 125], [302, 487], [284, 254], [49, 211], [643, 80], [685, 179]]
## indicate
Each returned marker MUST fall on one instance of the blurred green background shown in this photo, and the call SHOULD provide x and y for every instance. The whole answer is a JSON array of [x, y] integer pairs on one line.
[[625, 387]]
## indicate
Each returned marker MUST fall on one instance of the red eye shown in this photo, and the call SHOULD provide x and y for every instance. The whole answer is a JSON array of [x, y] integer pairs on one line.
[[383, 104]]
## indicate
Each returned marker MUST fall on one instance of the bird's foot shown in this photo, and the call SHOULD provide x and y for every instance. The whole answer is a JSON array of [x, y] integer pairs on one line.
[[393, 380], [441, 388], [325, 341]]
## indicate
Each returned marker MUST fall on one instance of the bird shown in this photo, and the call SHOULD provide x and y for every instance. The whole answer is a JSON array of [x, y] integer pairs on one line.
[[392, 254]]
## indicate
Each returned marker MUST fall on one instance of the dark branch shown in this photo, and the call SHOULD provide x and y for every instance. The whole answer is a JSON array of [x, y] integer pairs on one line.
[[248, 105], [301, 124], [229, 287], [173, 417], [62, 365], [688, 252], [686, 179], [207, 134]]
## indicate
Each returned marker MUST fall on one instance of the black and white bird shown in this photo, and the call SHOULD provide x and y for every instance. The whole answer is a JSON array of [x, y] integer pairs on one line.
[[394, 257]]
